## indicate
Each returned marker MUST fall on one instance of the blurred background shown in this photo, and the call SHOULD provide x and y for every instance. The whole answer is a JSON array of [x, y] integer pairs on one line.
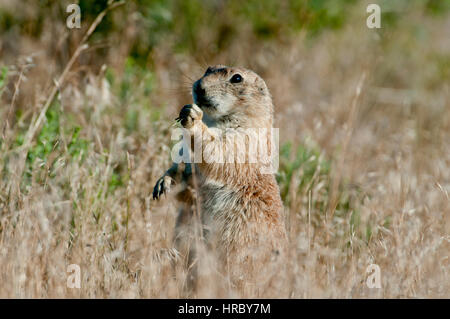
[[364, 118]]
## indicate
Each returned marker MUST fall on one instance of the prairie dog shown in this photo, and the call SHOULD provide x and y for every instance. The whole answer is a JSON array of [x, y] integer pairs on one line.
[[240, 204]]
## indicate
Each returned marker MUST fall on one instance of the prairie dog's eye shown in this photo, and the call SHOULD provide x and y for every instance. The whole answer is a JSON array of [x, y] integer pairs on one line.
[[237, 78]]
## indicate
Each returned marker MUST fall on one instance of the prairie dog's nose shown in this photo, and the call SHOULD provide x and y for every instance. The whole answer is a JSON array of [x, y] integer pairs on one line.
[[198, 89]]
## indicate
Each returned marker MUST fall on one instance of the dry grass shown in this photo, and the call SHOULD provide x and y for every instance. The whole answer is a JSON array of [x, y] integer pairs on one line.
[[369, 184]]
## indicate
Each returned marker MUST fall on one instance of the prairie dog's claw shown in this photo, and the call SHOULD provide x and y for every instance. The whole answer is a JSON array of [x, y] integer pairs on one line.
[[162, 186], [188, 114]]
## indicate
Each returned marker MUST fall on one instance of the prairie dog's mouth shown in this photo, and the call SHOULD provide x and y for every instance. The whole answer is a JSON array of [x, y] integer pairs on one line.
[[200, 98], [202, 101]]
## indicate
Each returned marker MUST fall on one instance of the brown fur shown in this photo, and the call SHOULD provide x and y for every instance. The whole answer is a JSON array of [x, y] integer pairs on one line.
[[241, 207]]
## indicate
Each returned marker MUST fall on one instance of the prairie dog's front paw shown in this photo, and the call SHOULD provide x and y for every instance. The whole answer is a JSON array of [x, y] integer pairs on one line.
[[189, 114], [162, 186]]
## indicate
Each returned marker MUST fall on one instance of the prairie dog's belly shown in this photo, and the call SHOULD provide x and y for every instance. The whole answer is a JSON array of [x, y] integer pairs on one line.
[[223, 211], [218, 198], [237, 226]]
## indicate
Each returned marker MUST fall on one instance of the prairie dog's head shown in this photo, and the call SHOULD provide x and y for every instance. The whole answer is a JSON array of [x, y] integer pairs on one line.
[[234, 97]]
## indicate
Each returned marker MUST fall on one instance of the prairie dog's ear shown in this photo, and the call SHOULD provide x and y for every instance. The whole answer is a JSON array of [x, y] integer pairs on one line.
[[260, 84]]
